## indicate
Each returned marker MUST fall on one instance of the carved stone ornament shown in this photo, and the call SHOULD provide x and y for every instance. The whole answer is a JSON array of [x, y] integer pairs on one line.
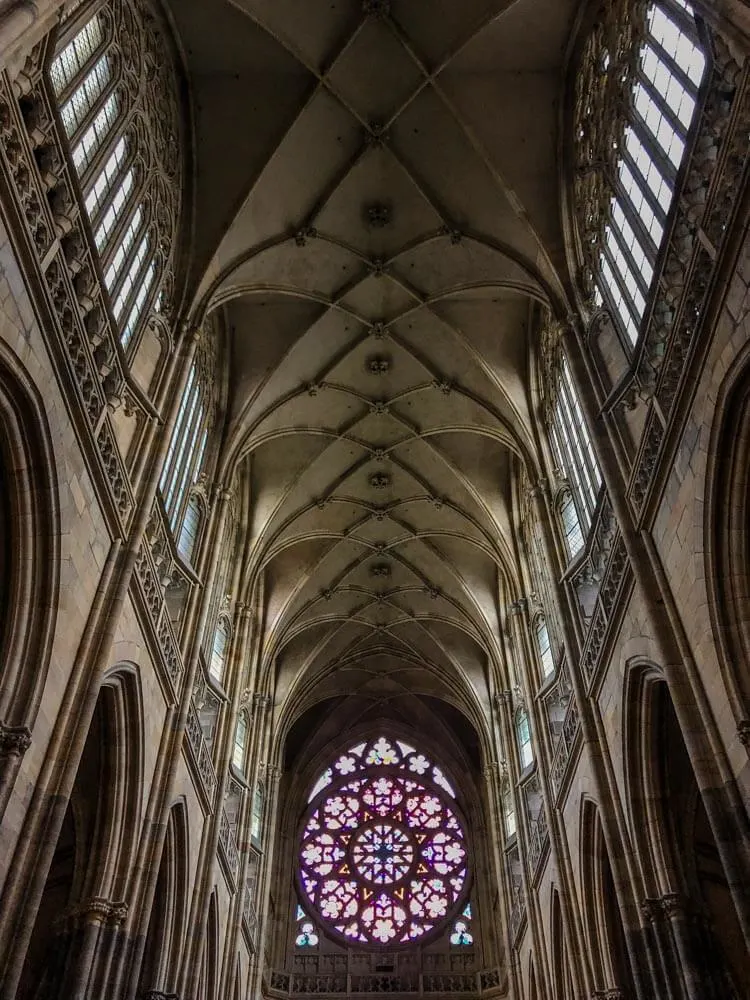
[[380, 480], [743, 732], [14, 741], [378, 214], [381, 570], [378, 364]]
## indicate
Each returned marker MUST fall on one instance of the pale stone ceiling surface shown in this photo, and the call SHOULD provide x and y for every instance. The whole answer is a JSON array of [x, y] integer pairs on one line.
[[377, 216]]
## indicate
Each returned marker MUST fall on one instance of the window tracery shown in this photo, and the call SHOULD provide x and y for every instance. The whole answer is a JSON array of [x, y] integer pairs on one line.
[[383, 859], [636, 97], [115, 88], [306, 934], [461, 935]]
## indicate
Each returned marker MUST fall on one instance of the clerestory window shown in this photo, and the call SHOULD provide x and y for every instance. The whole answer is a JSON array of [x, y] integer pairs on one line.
[[130, 188], [661, 107], [574, 454], [523, 736]]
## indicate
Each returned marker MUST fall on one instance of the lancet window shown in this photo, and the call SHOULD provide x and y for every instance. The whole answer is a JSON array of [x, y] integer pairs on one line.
[[186, 459], [523, 737], [115, 87], [544, 647], [256, 818], [635, 102], [240, 742], [383, 857]]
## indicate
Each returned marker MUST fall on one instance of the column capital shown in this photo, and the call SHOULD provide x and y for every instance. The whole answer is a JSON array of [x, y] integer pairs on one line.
[[97, 910], [261, 703], [14, 741], [519, 607]]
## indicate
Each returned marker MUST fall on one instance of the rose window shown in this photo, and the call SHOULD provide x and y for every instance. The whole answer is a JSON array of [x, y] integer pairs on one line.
[[383, 856]]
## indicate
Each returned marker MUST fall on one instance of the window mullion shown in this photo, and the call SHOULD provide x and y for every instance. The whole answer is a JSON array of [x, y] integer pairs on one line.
[[629, 303], [644, 187], [649, 247], [625, 250], [665, 109], [674, 67], [166, 474], [653, 147]]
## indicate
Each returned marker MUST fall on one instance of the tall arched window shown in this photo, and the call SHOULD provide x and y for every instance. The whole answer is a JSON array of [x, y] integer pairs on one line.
[[240, 742], [256, 817], [635, 102], [571, 524], [523, 736], [219, 650], [190, 530], [185, 461], [509, 810], [544, 647], [116, 88], [574, 453]]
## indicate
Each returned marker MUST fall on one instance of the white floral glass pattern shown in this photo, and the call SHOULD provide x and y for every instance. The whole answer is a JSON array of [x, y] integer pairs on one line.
[[383, 857]]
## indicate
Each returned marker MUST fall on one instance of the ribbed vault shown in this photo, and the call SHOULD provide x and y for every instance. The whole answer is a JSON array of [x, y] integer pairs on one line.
[[378, 223]]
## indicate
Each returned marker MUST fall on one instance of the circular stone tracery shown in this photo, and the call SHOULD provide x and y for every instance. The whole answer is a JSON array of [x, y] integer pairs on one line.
[[383, 853], [383, 856]]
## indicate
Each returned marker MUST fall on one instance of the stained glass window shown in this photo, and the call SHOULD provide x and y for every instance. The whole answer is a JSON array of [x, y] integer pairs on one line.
[[383, 854], [306, 936], [462, 936]]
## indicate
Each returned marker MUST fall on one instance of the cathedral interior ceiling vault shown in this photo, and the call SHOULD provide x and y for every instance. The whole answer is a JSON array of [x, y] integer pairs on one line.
[[378, 225]]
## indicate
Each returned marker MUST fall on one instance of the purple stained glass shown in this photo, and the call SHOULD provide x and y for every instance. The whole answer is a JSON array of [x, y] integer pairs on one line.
[[383, 856]]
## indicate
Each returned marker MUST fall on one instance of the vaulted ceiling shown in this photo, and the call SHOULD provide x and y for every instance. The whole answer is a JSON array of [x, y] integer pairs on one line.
[[378, 219]]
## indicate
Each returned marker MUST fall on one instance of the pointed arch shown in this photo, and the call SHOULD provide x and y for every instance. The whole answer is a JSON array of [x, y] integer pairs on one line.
[[29, 544], [166, 927]]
